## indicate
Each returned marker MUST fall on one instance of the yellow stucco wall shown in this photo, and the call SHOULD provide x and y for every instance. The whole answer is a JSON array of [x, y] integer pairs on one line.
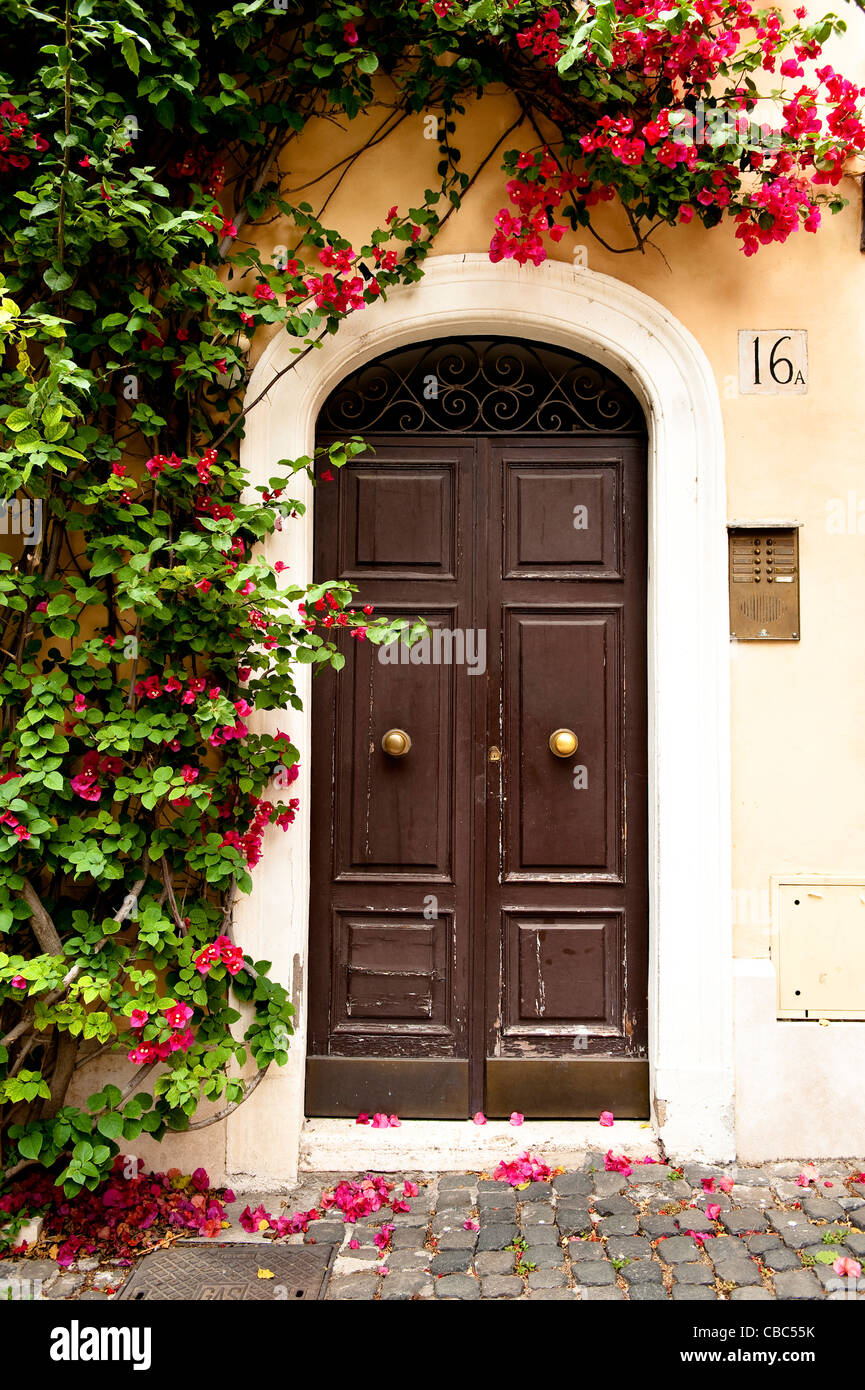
[[798, 709]]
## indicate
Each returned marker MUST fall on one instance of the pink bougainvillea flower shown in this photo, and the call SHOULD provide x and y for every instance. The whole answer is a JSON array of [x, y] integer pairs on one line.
[[845, 1267], [222, 950], [726, 1184], [700, 1237], [138, 1018], [362, 1119], [382, 1237], [380, 1120], [828, 1184], [18, 982], [618, 1163], [410, 1189], [471, 1225], [713, 1211], [394, 1121], [516, 1117], [707, 1184], [606, 1119], [809, 1174], [522, 1170], [178, 1015], [383, 1269], [252, 1221], [354, 1244], [479, 1117]]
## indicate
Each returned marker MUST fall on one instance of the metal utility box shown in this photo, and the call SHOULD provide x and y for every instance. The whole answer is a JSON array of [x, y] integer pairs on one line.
[[818, 946], [764, 582]]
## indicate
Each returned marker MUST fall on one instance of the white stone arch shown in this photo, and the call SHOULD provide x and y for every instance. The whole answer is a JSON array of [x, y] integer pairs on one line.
[[690, 964]]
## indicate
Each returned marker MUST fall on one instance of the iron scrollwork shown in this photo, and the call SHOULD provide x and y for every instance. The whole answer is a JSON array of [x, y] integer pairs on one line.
[[481, 386]]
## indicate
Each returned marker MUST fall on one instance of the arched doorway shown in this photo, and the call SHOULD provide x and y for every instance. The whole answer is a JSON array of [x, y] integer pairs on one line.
[[479, 874], [690, 961]]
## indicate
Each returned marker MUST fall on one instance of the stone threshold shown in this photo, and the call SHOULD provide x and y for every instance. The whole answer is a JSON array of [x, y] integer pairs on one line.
[[453, 1146]]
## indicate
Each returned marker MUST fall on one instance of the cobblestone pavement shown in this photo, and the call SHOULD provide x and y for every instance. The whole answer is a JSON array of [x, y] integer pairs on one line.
[[588, 1234], [592, 1234]]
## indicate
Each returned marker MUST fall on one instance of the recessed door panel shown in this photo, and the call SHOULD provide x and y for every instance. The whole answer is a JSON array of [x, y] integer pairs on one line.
[[394, 813], [397, 520], [389, 969], [562, 973], [562, 673], [562, 522]]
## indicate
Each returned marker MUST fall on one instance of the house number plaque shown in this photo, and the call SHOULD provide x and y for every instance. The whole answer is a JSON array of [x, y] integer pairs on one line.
[[773, 362]]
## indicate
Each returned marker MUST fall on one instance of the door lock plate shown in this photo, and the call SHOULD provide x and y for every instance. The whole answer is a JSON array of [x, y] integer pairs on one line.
[[495, 755]]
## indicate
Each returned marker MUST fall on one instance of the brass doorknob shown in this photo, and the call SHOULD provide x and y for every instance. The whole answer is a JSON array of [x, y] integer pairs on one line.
[[396, 743], [563, 742]]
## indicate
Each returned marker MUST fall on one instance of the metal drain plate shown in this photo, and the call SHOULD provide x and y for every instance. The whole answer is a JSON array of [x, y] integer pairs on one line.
[[229, 1273]]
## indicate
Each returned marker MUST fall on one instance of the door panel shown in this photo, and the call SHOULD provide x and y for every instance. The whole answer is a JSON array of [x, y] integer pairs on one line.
[[399, 809], [562, 971], [562, 523], [397, 521], [561, 671], [388, 967], [479, 906]]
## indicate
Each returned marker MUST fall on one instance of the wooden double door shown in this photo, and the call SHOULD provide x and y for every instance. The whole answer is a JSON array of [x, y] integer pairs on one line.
[[479, 917]]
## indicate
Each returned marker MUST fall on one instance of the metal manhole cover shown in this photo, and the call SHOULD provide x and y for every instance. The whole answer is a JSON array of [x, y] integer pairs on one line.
[[230, 1273]]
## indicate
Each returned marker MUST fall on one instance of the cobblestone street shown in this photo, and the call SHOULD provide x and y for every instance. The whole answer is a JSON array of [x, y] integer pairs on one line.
[[598, 1235], [653, 1235]]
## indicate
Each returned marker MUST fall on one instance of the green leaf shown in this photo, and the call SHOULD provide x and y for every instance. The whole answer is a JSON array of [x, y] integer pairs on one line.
[[130, 53], [17, 419], [30, 1145], [367, 62], [56, 278], [110, 1125]]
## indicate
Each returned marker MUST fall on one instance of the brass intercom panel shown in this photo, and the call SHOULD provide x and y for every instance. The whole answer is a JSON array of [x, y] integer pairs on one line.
[[764, 583]]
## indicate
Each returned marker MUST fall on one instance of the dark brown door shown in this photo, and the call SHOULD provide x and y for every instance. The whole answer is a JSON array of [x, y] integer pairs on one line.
[[478, 931]]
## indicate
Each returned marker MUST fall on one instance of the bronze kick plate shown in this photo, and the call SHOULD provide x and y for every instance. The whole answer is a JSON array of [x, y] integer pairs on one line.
[[564, 1089], [422, 1089]]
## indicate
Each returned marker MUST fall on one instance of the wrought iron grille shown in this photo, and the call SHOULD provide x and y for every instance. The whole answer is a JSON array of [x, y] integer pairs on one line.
[[481, 386]]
